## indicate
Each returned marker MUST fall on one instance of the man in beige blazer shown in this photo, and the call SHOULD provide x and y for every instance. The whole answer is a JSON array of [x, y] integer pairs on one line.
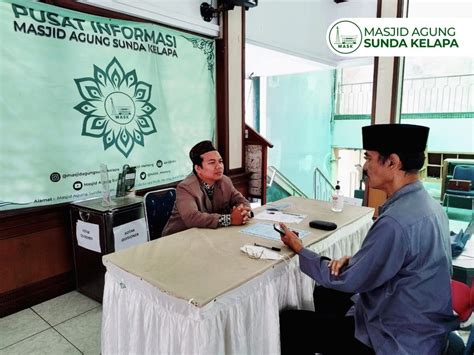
[[207, 198]]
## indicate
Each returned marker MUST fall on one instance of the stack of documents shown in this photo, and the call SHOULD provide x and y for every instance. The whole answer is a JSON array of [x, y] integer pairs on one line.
[[280, 216], [266, 231]]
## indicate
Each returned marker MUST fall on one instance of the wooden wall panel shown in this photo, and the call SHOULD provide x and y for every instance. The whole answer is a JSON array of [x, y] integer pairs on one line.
[[241, 183], [35, 249], [375, 199], [34, 257]]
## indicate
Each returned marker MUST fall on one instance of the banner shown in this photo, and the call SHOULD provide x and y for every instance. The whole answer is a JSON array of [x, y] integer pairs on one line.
[[401, 37], [78, 90]]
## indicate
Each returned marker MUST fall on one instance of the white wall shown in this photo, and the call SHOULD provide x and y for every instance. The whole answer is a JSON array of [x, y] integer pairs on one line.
[[261, 61], [440, 8], [298, 27], [235, 87]]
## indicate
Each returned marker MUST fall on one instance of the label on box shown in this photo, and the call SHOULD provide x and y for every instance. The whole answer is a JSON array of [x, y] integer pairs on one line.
[[87, 235], [130, 234]]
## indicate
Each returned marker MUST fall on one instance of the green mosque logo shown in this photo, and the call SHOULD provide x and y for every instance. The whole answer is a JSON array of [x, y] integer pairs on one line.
[[344, 37], [116, 107]]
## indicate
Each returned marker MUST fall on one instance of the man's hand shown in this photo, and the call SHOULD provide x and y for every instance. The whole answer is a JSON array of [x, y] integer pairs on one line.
[[239, 215], [291, 239], [247, 209], [337, 265]]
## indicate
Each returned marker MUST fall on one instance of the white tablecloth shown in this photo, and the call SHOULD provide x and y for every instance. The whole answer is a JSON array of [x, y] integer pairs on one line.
[[138, 318]]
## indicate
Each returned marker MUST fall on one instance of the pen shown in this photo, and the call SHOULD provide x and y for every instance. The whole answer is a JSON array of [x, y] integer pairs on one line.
[[292, 214], [264, 246]]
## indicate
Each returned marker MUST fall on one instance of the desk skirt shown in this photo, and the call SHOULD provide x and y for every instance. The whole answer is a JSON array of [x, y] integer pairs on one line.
[[138, 318]]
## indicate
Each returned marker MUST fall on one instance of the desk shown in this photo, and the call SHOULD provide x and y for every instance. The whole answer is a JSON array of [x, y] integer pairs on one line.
[[463, 265], [194, 292]]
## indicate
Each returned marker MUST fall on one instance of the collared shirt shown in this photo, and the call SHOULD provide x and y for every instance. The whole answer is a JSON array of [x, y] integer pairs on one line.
[[402, 273], [224, 219], [209, 189]]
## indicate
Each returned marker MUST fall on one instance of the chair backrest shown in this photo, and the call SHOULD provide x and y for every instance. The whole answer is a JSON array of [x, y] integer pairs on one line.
[[158, 207], [463, 305], [463, 299], [464, 172]]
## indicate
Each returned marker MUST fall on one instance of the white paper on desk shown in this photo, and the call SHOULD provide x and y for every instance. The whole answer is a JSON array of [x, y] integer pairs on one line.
[[255, 252], [279, 216], [87, 235], [130, 234], [266, 231], [468, 252]]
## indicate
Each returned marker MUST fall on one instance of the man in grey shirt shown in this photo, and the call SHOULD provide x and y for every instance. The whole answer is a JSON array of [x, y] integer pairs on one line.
[[402, 271]]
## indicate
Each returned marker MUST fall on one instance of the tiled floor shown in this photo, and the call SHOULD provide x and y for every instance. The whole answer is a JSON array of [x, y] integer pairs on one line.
[[68, 324]]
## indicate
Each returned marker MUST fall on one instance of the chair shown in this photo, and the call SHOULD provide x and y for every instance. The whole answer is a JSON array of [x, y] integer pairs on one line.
[[463, 306], [158, 207], [461, 185]]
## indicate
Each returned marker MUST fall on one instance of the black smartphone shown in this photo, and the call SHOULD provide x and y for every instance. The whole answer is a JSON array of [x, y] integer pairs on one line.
[[129, 173], [278, 229], [325, 225]]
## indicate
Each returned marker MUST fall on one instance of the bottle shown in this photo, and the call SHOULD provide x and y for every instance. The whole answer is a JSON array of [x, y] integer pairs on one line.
[[337, 199]]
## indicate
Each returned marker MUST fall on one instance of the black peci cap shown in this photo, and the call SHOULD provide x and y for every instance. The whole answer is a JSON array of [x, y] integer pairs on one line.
[[393, 138], [199, 149]]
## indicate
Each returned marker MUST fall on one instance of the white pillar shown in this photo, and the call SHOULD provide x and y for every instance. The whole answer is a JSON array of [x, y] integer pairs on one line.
[[235, 88], [387, 88]]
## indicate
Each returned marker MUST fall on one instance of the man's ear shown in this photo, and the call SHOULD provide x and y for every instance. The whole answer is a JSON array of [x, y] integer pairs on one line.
[[394, 160]]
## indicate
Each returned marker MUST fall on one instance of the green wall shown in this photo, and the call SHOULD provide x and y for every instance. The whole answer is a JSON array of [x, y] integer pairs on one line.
[[298, 121], [449, 134], [453, 133], [347, 133]]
